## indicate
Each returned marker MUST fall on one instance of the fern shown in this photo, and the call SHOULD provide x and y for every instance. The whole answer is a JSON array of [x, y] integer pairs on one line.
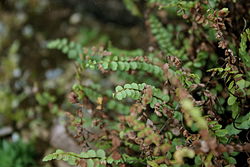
[[244, 54], [92, 157], [164, 38], [134, 91], [93, 92], [135, 65], [72, 49], [159, 107], [182, 5], [132, 7], [218, 131], [245, 36], [236, 85]]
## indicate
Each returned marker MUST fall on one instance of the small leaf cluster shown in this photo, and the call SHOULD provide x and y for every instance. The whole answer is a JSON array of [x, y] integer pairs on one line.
[[133, 65], [218, 131], [134, 91], [237, 86], [70, 48]]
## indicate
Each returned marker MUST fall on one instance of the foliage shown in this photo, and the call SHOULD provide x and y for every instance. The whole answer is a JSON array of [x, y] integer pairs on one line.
[[17, 154], [10, 100], [245, 36], [183, 102]]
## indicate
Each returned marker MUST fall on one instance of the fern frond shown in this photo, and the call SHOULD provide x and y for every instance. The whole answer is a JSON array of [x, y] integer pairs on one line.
[[133, 65], [135, 91], [164, 38], [68, 157], [131, 6], [91, 157], [180, 4], [93, 92], [128, 53], [244, 54], [72, 49]]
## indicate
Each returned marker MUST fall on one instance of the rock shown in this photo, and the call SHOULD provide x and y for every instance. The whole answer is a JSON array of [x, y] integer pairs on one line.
[[5, 131], [61, 140]]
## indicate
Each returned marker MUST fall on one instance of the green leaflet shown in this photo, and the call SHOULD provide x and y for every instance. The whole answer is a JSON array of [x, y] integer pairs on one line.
[[135, 91], [72, 49], [92, 157]]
